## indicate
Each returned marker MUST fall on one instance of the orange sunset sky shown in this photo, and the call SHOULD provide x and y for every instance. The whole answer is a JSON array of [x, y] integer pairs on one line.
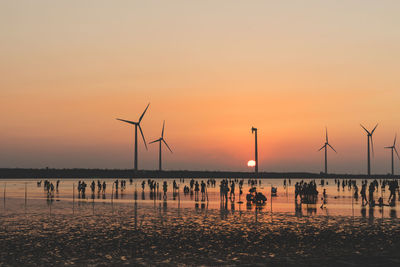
[[211, 69]]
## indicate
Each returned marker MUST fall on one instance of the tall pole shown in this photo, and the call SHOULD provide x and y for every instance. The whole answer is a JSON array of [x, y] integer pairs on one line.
[[256, 152], [136, 152], [392, 163], [160, 157], [326, 159], [369, 163]]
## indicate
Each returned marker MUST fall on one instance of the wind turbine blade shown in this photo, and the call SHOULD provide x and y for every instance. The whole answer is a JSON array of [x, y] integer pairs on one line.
[[364, 129], [372, 146], [326, 129], [166, 145], [395, 137], [332, 148], [144, 140], [154, 141], [131, 122], [322, 147], [141, 117], [388, 147], [395, 150], [374, 128], [162, 133]]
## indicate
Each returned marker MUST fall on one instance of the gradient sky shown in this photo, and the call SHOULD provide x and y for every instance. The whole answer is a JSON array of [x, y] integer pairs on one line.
[[211, 69]]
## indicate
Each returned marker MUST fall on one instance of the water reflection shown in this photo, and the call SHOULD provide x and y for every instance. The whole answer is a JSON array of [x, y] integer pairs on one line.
[[280, 194]]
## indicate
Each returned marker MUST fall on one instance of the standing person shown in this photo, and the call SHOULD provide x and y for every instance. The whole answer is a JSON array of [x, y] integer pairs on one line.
[[392, 189], [93, 186], [232, 190], [371, 190], [83, 188], [226, 190], [165, 188], [196, 191], [355, 191], [296, 190], [363, 193], [191, 184], [104, 187], [116, 185], [203, 191]]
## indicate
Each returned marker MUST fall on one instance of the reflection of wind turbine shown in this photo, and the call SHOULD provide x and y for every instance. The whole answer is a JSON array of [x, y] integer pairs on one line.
[[161, 139], [369, 137], [393, 148], [137, 125], [254, 130], [326, 151]]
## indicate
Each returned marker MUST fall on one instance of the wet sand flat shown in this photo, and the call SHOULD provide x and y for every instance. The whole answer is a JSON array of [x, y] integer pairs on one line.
[[158, 235], [135, 227]]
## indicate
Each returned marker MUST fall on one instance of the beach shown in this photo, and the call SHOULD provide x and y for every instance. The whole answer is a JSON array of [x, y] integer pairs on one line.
[[137, 227], [170, 236]]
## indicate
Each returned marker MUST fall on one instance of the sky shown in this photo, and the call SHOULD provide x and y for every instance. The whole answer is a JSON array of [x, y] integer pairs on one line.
[[211, 70]]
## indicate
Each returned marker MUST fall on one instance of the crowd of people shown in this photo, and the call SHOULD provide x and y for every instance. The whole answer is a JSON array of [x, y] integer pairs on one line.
[[229, 189], [307, 192], [49, 187]]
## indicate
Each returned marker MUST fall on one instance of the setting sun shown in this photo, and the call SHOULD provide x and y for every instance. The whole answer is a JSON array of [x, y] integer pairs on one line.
[[251, 163]]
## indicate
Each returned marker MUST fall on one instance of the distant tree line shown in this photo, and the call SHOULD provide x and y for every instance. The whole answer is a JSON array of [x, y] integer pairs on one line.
[[129, 173]]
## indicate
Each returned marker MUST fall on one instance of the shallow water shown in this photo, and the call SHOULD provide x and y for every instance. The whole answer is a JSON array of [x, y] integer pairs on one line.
[[339, 202], [180, 231]]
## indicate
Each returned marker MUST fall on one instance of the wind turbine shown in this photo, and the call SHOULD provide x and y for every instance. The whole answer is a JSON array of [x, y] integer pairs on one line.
[[326, 150], [254, 130], [393, 148], [161, 139], [369, 137], [137, 125]]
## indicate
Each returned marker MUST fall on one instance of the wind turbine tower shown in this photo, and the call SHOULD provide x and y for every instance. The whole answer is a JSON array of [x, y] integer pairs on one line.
[[137, 125], [161, 139], [370, 143], [393, 148], [326, 150], [254, 130]]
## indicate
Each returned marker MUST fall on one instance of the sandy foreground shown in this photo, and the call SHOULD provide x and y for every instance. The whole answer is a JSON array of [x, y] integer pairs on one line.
[[170, 236]]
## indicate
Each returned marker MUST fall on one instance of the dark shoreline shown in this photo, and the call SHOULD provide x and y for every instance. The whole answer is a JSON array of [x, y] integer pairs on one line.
[[129, 173]]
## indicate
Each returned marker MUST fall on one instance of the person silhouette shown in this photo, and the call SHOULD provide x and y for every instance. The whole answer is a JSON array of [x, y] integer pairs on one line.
[[165, 188]]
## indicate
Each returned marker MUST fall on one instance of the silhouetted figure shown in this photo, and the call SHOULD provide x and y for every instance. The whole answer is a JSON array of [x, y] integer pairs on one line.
[[296, 190], [196, 191], [393, 186], [191, 184], [364, 193], [116, 185], [165, 188], [355, 191], [254, 197], [232, 193], [83, 189], [371, 190], [186, 190], [93, 186]]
